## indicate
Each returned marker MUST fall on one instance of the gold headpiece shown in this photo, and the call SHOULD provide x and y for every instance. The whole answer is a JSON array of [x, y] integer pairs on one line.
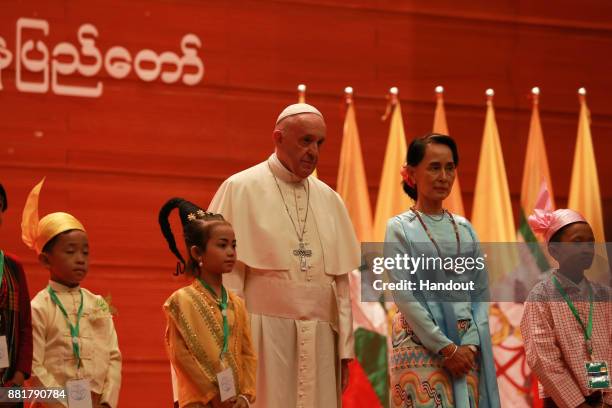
[[36, 233]]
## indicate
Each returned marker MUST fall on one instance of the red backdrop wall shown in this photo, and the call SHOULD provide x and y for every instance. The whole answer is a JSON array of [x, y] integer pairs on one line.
[[114, 159]]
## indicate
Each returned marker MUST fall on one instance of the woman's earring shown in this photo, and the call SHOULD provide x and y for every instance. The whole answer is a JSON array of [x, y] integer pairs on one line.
[[200, 264]]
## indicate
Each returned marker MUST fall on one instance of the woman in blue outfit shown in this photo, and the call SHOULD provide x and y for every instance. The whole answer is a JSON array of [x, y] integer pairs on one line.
[[442, 354]]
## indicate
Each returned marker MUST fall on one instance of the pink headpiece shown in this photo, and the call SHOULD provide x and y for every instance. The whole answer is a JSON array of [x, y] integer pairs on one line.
[[548, 223]]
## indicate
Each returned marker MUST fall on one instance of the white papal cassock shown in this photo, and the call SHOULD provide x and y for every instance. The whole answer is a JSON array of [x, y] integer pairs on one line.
[[300, 317]]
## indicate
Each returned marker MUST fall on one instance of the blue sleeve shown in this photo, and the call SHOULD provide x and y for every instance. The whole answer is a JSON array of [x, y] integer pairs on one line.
[[480, 304], [419, 319]]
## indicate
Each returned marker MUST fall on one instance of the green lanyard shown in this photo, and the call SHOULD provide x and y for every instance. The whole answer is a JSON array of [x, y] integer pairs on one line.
[[588, 329], [223, 308], [74, 330]]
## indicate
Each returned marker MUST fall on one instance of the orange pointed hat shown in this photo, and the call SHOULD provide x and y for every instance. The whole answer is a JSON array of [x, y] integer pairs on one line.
[[36, 233]]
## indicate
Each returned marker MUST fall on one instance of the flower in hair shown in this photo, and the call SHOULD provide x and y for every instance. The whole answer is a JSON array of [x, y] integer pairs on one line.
[[191, 217], [405, 175]]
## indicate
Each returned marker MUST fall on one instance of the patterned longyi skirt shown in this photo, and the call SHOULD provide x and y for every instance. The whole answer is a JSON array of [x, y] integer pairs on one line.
[[418, 378]]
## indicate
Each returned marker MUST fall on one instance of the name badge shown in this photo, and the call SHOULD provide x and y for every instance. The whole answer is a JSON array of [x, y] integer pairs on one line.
[[598, 375], [227, 388], [4, 356], [79, 393]]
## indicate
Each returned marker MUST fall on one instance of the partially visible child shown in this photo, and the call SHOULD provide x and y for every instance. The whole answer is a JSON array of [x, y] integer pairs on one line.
[[75, 343], [208, 336], [567, 322], [15, 317]]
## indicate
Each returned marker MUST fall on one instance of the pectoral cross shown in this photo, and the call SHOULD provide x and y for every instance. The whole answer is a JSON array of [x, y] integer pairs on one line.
[[303, 253]]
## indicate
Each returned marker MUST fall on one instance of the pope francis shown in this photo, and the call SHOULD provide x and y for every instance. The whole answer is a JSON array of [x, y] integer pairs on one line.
[[296, 245]]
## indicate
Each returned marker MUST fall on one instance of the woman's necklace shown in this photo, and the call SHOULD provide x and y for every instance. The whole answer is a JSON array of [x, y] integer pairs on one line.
[[431, 238], [431, 217]]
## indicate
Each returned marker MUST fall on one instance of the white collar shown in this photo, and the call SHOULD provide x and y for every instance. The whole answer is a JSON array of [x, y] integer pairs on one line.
[[58, 287], [280, 171]]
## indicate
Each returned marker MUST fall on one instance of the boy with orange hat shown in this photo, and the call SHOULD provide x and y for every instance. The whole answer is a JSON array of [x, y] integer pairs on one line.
[[75, 343]]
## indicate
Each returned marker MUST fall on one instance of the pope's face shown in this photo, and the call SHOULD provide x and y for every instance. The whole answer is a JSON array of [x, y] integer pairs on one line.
[[298, 140]]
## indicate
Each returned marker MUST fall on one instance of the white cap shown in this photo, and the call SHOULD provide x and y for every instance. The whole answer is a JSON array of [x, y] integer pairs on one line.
[[301, 88], [582, 91], [535, 90], [490, 92], [439, 89], [394, 90], [296, 109], [348, 90]]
